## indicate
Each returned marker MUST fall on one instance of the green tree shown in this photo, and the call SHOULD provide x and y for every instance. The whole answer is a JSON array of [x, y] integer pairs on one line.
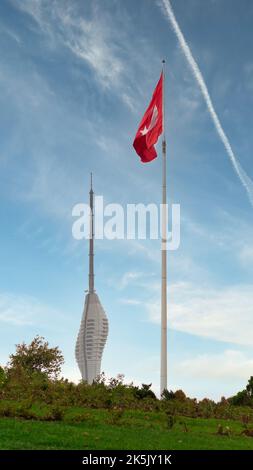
[[244, 397], [180, 395], [2, 377], [37, 357], [144, 392], [168, 395], [241, 399], [249, 387]]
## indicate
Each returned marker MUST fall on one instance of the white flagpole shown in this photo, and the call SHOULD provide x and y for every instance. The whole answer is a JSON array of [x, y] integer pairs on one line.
[[163, 377]]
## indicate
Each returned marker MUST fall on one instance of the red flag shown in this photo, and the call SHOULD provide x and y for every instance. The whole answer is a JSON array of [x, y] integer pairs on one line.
[[151, 126]]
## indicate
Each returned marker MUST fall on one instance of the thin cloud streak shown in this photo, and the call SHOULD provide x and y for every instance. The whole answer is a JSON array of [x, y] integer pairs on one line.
[[244, 178], [90, 40]]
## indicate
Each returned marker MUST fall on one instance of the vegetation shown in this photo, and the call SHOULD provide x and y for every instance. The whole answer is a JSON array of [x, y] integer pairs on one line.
[[85, 428], [40, 410], [37, 357]]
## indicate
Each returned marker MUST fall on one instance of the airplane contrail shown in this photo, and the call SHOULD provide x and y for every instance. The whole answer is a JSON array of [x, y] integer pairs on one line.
[[244, 178]]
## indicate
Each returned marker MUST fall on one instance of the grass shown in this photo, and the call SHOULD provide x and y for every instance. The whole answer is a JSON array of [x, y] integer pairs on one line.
[[103, 429]]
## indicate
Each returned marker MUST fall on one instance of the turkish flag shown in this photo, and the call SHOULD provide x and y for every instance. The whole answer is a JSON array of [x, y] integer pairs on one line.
[[151, 126]]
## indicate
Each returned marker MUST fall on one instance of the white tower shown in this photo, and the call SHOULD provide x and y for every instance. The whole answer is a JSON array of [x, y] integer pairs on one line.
[[93, 331]]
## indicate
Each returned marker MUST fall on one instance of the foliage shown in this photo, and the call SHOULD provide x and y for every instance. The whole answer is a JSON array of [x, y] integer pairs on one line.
[[144, 392], [224, 431], [180, 395], [206, 408], [244, 397], [249, 387], [37, 357], [135, 430], [241, 399], [2, 377], [171, 419], [115, 416], [168, 395], [32, 374]]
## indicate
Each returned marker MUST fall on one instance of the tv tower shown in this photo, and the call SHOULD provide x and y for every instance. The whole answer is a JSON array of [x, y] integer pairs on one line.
[[93, 330]]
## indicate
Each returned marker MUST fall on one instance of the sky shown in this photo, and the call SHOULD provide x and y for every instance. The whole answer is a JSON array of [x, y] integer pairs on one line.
[[75, 79]]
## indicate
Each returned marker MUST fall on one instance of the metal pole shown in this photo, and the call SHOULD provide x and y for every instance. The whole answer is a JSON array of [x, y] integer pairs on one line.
[[163, 383], [91, 250]]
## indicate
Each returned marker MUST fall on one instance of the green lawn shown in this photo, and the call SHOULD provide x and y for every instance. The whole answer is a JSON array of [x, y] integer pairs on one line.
[[99, 429]]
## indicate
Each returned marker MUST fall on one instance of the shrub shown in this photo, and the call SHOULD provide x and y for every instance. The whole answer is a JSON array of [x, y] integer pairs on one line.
[[242, 399], [180, 395], [37, 357], [2, 377], [171, 419], [168, 395], [6, 410], [144, 392], [56, 414], [78, 418], [224, 431], [115, 416], [206, 408]]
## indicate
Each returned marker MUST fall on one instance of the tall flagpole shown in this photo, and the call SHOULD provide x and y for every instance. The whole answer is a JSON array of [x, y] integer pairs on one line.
[[163, 377]]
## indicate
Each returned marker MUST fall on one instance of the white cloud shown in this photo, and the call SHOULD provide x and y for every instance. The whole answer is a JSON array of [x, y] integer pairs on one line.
[[128, 278], [91, 42], [148, 248], [94, 41], [229, 234], [218, 237], [130, 301], [224, 314], [22, 310], [246, 255], [228, 366], [13, 35], [213, 375]]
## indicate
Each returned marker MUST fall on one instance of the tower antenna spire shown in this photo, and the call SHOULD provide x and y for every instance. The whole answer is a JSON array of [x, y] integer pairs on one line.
[[91, 247]]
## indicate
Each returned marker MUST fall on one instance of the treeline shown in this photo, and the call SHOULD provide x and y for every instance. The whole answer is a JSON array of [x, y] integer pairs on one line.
[[30, 387]]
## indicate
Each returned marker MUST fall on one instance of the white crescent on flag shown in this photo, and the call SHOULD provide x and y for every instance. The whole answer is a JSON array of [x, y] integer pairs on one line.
[[152, 122]]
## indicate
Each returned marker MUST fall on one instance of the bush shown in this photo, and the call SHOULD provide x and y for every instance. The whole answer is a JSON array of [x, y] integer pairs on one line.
[[6, 410], [32, 374], [180, 395], [37, 357], [78, 418], [144, 392], [206, 408], [16, 410], [115, 416], [171, 419], [168, 395], [2, 377], [242, 399], [56, 414]]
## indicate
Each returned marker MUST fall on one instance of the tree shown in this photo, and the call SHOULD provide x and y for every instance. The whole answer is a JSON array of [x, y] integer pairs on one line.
[[245, 397], [144, 392], [2, 377], [168, 395], [241, 399], [37, 357], [249, 387], [180, 395]]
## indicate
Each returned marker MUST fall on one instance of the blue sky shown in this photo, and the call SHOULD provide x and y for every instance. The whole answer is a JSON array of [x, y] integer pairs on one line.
[[75, 80]]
